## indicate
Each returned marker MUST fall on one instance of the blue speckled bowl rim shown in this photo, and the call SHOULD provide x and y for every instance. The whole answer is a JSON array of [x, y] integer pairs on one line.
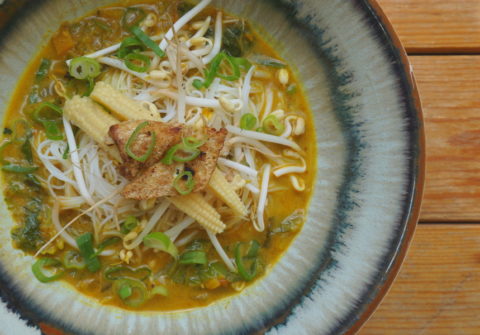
[[392, 260]]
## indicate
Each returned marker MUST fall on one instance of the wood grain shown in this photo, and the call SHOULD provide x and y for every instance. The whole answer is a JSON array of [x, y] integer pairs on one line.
[[449, 88], [436, 26], [438, 289]]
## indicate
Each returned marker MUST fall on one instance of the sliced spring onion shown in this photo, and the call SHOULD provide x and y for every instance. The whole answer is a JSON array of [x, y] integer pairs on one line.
[[184, 183], [234, 67], [147, 41], [49, 115], [133, 138], [272, 125], [43, 69], [162, 242], [133, 292], [132, 17], [197, 83], [131, 57], [115, 272], [180, 153], [19, 168], [194, 257], [159, 290], [106, 243], [242, 63], [83, 68], [40, 267], [251, 255], [125, 291], [211, 73], [129, 224], [248, 121], [129, 45], [73, 260], [85, 245]]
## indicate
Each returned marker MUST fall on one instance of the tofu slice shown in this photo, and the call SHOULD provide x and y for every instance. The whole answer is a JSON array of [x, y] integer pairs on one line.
[[157, 180], [166, 136]]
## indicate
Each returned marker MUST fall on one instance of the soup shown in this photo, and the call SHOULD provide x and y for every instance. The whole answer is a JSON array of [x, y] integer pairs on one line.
[[157, 156]]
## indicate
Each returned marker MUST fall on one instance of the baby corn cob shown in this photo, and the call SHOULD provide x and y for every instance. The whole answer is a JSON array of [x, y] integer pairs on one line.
[[120, 105], [93, 120], [195, 206], [225, 191]]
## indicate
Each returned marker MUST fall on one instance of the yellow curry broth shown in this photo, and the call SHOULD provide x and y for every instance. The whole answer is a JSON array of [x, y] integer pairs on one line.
[[90, 36]]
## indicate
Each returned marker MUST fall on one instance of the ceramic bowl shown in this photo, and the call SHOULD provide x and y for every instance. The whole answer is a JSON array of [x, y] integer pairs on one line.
[[370, 152]]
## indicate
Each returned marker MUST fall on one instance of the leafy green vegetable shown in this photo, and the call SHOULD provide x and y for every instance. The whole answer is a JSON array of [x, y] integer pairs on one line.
[[43, 69], [27, 235], [129, 224], [26, 149], [237, 39]]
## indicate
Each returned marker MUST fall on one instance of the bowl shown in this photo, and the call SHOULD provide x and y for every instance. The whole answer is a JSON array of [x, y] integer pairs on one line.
[[367, 192]]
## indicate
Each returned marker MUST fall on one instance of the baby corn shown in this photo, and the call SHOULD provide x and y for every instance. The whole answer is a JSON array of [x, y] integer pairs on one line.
[[226, 192], [120, 105], [195, 206], [92, 119]]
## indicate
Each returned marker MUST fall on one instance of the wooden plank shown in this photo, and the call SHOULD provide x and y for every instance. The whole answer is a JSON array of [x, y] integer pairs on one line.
[[434, 26], [449, 88], [438, 289]]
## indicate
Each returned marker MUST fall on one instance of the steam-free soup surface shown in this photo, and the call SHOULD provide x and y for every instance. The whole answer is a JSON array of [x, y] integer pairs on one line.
[[184, 268]]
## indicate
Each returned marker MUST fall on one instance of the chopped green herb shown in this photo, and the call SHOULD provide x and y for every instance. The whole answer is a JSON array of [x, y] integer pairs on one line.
[[27, 235], [43, 69]]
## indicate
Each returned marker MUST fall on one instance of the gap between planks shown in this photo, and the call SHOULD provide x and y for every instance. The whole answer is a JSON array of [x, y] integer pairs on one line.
[[450, 95]]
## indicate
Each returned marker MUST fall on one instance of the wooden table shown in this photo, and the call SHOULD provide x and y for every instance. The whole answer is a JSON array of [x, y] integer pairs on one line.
[[438, 289]]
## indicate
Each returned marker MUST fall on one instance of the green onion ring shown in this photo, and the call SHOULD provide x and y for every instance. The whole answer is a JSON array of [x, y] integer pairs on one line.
[[139, 57], [126, 288], [133, 138], [83, 68], [194, 257], [188, 185], [147, 41], [39, 266]]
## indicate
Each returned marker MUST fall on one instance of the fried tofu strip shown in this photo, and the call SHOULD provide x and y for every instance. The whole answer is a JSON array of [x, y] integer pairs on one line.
[[93, 120], [123, 107], [206, 163], [157, 180], [166, 136]]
